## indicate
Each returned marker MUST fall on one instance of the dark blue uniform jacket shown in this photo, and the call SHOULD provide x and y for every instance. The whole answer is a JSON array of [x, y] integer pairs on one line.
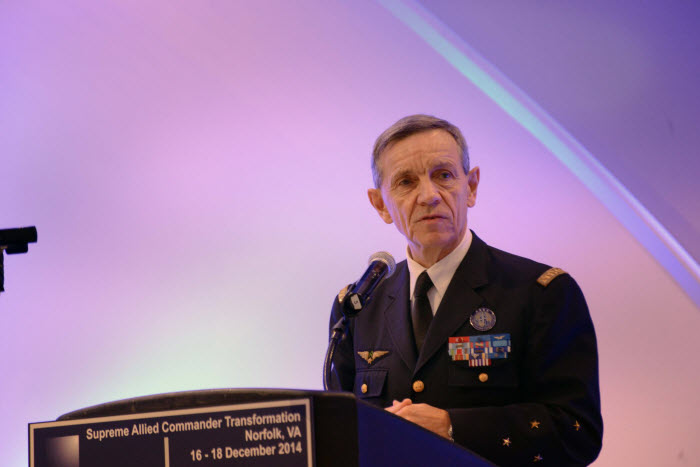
[[540, 405]]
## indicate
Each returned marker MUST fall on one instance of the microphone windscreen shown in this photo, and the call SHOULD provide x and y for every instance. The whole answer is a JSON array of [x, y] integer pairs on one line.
[[385, 258]]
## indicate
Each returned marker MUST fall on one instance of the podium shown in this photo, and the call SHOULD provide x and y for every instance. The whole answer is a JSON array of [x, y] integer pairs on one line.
[[257, 427]]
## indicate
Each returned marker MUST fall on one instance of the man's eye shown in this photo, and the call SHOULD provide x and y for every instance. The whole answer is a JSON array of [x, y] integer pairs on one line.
[[445, 175]]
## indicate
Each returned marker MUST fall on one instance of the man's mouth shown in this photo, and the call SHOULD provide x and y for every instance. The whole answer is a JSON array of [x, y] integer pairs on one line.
[[431, 217]]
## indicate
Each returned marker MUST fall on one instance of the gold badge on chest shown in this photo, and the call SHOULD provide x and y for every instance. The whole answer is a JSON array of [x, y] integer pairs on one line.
[[370, 356], [483, 319]]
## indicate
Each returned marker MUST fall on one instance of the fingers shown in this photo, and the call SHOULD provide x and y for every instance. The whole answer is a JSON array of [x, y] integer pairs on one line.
[[427, 416], [396, 405], [405, 412]]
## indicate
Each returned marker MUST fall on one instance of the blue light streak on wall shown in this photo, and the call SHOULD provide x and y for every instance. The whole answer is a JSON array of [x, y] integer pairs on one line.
[[605, 186]]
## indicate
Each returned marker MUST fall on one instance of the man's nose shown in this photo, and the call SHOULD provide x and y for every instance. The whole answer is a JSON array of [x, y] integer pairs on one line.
[[428, 193]]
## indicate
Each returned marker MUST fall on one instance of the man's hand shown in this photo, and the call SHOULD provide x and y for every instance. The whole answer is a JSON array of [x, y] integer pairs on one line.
[[427, 416]]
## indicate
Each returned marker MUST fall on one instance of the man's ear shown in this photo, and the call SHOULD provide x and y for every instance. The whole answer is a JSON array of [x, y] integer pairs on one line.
[[473, 182], [375, 197]]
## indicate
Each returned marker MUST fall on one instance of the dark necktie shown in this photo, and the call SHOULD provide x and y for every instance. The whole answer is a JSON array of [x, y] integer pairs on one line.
[[421, 313]]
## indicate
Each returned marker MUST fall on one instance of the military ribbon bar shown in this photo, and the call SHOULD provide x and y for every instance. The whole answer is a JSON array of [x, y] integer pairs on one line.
[[479, 350]]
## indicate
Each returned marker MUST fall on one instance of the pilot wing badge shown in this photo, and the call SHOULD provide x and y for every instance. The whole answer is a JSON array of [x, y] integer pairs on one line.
[[370, 356]]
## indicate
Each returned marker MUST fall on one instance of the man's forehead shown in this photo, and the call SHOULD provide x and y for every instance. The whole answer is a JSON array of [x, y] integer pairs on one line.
[[421, 153], [424, 149], [422, 163]]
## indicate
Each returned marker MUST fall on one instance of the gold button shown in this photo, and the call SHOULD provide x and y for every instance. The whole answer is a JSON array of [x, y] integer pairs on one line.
[[483, 377], [418, 386], [364, 389]]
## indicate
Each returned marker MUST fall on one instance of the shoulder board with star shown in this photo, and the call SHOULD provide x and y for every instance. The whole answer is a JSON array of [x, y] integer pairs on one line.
[[549, 275]]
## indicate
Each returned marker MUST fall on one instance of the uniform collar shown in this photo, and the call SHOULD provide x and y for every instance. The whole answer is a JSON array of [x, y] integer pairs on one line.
[[440, 273]]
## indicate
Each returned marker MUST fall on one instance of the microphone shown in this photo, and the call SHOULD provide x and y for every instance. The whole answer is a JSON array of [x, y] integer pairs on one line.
[[16, 240], [381, 266]]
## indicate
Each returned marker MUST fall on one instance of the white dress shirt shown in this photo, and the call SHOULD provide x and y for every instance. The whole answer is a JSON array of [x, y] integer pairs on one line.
[[440, 273]]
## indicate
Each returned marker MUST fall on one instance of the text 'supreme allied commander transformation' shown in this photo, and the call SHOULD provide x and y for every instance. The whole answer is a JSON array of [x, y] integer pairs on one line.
[[492, 350]]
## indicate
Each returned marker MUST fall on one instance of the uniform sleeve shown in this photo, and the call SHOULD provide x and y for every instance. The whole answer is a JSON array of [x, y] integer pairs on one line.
[[558, 421], [343, 369]]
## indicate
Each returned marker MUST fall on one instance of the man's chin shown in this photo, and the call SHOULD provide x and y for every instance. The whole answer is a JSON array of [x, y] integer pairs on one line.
[[435, 240]]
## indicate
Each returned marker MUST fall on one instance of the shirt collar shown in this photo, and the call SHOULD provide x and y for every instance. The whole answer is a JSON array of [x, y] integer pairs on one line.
[[440, 273]]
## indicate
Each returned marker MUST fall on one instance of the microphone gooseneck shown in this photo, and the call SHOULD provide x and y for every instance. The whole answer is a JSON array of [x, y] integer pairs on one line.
[[381, 266]]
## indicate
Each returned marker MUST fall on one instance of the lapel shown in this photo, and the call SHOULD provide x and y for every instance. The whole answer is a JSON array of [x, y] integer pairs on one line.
[[397, 316], [459, 302]]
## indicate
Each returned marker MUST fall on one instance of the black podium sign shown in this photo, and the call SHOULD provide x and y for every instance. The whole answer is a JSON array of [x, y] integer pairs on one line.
[[261, 427], [272, 433]]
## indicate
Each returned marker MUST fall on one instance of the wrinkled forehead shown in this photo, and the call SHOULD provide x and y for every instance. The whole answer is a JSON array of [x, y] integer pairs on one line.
[[426, 165], [420, 151]]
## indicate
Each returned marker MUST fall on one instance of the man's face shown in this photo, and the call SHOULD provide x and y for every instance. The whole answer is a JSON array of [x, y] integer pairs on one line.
[[426, 193]]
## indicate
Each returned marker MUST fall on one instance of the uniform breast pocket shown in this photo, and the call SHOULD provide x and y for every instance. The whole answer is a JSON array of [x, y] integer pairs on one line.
[[370, 383], [499, 375]]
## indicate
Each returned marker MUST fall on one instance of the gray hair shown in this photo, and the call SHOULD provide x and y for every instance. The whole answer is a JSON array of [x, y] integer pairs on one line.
[[409, 126]]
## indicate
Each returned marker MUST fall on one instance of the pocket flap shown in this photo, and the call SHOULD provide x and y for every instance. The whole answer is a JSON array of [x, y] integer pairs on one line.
[[370, 383], [497, 376]]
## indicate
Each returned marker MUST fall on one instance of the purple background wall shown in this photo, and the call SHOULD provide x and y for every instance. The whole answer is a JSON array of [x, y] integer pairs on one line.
[[197, 174], [621, 76]]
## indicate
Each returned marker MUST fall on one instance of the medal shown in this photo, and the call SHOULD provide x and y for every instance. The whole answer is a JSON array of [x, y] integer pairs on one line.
[[483, 319]]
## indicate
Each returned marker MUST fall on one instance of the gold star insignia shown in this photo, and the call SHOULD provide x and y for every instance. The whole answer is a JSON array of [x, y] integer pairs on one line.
[[534, 424], [506, 442], [577, 425], [371, 355], [537, 458]]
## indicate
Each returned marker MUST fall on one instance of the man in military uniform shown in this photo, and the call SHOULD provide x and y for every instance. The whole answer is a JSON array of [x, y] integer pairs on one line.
[[494, 351]]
